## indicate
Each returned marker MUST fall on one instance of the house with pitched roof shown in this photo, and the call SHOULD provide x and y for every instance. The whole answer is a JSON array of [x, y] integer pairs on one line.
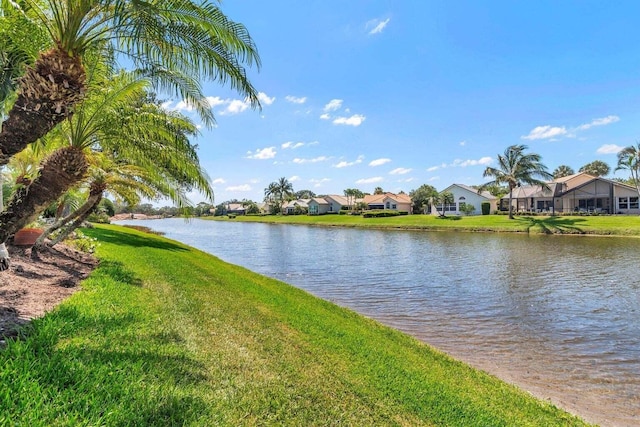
[[390, 201], [464, 195], [318, 206], [580, 193]]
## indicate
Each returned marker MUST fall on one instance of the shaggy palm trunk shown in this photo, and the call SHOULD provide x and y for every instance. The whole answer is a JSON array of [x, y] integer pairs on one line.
[[47, 93], [78, 221], [95, 196], [64, 168]]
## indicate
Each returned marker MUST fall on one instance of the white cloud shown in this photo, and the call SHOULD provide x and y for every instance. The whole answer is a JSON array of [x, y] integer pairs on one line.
[[433, 168], [218, 181], [435, 178], [609, 149], [355, 120], [464, 163], [292, 145], [344, 164], [314, 160], [373, 180], [325, 116], [244, 187], [599, 122], [406, 180], [462, 143], [295, 99], [333, 105], [377, 25], [262, 154], [400, 171], [235, 106], [214, 101], [294, 178], [379, 162], [264, 98], [318, 182], [545, 132]]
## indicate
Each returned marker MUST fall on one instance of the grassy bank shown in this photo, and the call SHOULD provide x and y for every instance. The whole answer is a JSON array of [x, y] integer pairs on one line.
[[163, 334], [605, 225]]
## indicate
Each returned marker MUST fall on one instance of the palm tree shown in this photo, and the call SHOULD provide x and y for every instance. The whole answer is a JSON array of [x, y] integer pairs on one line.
[[562, 171], [629, 158], [175, 43], [271, 194], [596, 168], [285, 190], [516, 168], [115, 120]]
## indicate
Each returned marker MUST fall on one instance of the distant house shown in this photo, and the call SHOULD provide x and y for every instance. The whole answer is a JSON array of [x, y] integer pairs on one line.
[[235, 209], [389, 201], [318, 206], [336, 202], [296, 206], [464, 195], [579, 193]]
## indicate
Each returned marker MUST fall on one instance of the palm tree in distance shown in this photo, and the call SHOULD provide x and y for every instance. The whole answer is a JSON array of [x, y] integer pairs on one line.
[[596, 168], [516, 168], [562, 171], [175, 43], [629, 158], [285, 190]]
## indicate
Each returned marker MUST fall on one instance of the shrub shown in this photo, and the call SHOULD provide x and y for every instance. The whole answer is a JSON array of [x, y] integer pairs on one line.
[[380, 213], [100, 218], [468, 209], [486, 208]]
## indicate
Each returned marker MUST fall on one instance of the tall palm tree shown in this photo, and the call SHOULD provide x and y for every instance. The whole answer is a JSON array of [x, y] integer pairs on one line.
[[629, 158], [271, 194], [562, 171], [175, 43], [516, 168], [285, 190], [596, 168]]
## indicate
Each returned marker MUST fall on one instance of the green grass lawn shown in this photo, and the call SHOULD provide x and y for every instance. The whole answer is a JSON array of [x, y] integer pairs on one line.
[[621, 225], [163, 334]]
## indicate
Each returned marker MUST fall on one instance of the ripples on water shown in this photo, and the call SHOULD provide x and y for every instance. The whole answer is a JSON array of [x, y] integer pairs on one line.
[[562, 311]]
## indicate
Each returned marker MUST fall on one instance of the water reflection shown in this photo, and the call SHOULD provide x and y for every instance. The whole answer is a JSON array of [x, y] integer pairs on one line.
[[559, 315]]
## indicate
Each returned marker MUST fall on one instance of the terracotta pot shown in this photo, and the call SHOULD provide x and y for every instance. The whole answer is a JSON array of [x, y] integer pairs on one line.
[[27, 236]]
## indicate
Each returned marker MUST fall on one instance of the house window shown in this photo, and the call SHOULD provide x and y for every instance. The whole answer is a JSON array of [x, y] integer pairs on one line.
[[462, 198], [462, 205], [394, 206], [623, 202], [448, 207], [633, 203], [388, 205]]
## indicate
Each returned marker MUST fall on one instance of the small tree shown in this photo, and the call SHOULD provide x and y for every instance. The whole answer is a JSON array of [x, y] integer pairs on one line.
[[421, 197], [467, 209], [443, 199]]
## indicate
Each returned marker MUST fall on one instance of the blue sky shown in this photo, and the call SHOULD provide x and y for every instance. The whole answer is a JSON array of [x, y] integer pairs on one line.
[[396, 94]]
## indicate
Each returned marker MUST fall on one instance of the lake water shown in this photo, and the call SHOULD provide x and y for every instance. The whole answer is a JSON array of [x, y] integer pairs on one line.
[[557, 315]]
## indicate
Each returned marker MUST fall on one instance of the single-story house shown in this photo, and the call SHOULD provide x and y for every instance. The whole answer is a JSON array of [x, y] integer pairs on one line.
[[464, 195], [235, 209], [395, 202], [318, 206], [336, 202], [580, 192], [300, 205]]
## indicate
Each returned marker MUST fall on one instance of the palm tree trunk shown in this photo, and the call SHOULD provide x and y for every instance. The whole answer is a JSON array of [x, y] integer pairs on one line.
[[78, 221], [95, 196], [48, 91], [59, 172], [510, 201]]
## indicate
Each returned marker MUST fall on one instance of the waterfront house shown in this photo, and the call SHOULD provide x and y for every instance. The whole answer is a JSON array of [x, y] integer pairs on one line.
[[337, 202], [318, 206], [390, 201], [235, 209], [579, 193], [296, 207], [464, 195]]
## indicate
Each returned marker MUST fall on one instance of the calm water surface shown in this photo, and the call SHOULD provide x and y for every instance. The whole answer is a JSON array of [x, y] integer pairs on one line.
[[557, 315]]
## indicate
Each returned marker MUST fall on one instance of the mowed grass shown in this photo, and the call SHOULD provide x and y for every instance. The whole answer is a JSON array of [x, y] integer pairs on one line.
[[621, 225], [163, 334]]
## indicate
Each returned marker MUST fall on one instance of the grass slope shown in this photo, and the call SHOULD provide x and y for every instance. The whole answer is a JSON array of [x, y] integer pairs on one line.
[[163, 334], [621, 225]]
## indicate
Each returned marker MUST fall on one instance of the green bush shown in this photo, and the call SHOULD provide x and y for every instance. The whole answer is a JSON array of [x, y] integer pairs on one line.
[[486, 208], [100, 218], [381, 213]]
